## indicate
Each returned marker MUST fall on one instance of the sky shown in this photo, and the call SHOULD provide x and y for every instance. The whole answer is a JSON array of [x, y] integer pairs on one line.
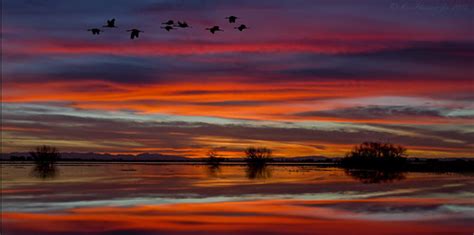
[[307, 78]]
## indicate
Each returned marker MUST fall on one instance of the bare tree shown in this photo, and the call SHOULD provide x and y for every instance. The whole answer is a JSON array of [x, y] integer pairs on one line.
[[375, 154], [213, 157], [258, 155], [45, 155]]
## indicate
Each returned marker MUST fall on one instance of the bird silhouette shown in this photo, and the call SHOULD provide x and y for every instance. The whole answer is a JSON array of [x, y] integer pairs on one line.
[[232, 19], [110, 24], [182, 24], [135, 33], [168, 28], [241, 27], [95, 31], [214, 29], [169, 22]]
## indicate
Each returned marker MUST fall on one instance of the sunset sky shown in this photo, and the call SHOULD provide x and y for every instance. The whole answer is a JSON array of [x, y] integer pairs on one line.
[[307, 78]]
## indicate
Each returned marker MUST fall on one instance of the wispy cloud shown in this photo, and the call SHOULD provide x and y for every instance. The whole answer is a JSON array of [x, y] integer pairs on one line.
[[317, 64]]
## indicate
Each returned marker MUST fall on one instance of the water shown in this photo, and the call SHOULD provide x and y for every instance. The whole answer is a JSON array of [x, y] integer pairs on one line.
[[198, 199]]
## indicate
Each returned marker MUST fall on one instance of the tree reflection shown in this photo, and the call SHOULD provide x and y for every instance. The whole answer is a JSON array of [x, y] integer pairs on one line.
[[258, 171], [375, 176], [214, 170], [45, 171]]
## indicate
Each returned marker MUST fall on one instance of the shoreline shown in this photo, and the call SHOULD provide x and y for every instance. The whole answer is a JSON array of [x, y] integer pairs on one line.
[[440, 167]]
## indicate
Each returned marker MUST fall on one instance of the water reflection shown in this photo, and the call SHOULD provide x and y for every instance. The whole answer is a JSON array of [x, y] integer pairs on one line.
[[258, 171], [214, 170], [103, 199], [45, 171], [366, 216], [376, 176]]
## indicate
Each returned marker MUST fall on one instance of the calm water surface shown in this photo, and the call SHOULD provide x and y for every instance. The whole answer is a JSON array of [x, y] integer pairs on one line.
[[198, 199]]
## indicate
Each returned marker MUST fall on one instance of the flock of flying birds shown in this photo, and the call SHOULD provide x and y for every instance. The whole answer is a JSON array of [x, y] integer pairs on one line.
[[168, 26]]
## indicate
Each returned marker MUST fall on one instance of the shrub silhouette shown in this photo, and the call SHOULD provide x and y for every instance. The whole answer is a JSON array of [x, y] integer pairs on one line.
[[376, 155], [213, 158], [45, 155], [258, 155]]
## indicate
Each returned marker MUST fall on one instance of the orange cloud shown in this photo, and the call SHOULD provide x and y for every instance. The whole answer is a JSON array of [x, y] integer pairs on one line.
[[221, 99]]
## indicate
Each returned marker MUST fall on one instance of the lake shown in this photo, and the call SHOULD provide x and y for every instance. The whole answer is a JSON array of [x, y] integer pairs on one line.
[[132, 198]]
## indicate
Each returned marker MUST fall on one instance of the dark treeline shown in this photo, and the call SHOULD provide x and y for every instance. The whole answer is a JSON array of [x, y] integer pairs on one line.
[[390, 157], [375, 155], [368, 156]]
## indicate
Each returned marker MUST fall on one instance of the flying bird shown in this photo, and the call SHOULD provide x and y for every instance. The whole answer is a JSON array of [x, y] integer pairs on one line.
[[232, 19], [168, 28], [169, 22], [135, 33], [241, 27], [110, 24], [214, 29], [182, 24], [95, 31]]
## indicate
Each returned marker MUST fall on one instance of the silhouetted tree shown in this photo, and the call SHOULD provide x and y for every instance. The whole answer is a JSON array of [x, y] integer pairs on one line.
[[376, 155], [258, 155], [213, 158], [45, 155]]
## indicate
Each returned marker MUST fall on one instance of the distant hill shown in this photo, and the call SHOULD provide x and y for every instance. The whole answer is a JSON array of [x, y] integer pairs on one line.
[[148, 157], [162, 157]]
